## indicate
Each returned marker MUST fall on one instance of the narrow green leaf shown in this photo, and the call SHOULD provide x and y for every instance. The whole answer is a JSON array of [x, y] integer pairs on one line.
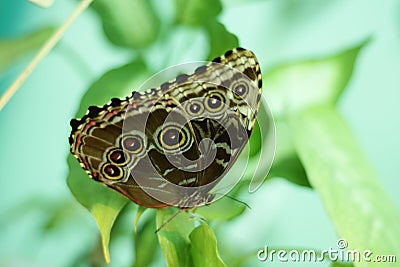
[[12, 50], [196, 12], [174, 237], [360, 209], [105, 216], [204, 247], [132, 24], [296, 86]]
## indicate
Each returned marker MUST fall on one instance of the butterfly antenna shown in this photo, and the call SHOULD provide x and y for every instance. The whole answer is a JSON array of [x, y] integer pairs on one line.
[[168, 221], [237, 200]]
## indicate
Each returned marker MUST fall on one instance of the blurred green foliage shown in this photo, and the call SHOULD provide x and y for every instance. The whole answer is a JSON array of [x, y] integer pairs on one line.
[[131, 24], [291, 89], [12, 50], [123, 24], [315, 148]]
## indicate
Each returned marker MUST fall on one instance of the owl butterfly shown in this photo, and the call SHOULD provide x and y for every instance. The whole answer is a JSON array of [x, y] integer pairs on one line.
[[170, 146]]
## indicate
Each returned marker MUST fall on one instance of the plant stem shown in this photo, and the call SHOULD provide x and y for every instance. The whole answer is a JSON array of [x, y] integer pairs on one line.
[[46, 48]]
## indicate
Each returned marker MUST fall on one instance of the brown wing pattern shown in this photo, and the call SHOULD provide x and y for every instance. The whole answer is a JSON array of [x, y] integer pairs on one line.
[[186, 133]]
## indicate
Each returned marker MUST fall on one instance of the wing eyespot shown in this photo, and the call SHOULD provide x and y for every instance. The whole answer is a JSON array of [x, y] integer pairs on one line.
[[241, 89], [118, 157], [195, 108], [132, 143], [215, 102], [112, 172], [172, 137]]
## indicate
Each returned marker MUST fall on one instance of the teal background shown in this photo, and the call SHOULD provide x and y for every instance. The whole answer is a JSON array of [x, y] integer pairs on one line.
[[35, 123]]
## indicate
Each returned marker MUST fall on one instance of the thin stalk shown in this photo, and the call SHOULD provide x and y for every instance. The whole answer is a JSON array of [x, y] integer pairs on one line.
[[46, 48]]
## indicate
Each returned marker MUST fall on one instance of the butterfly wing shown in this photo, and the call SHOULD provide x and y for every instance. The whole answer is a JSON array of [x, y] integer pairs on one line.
[[218, 103], [150, 145]]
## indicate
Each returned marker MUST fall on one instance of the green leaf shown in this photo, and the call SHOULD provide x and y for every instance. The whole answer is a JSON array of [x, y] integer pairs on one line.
[[291, 169], [203, 13], [255, 141], [132, 24], [204, 247], [286, 162], [86, 191], [174, 236], [341, 264], [105, 216], [221, 40], [118, 82], [296, 86], [12, 50], [196, 12], [360, 209], [103, 203], [146, 243], [139, 214], [284, 143]]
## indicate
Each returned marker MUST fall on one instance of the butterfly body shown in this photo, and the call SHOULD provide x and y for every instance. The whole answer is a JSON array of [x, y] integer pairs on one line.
[[169, 146]]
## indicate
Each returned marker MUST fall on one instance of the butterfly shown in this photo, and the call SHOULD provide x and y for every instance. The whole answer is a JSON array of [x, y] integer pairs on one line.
[[171, 145]]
